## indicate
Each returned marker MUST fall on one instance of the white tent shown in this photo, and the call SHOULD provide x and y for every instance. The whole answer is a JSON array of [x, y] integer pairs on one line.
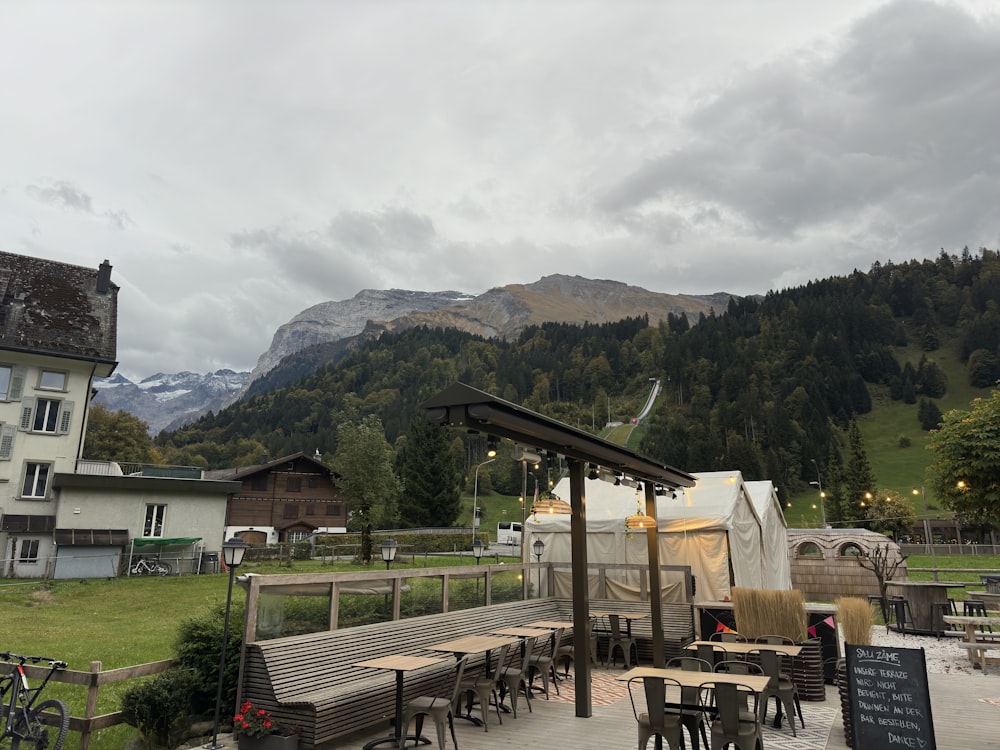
[[777, 566], [712, 527]]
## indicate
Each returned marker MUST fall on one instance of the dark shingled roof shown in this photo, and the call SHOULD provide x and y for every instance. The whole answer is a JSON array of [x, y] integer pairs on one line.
[[56, 308]]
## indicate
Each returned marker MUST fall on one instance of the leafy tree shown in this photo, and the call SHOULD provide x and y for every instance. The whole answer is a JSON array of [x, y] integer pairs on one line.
[[889, 513], [117, 436], [367, 481], [431, 480], [965, 471]]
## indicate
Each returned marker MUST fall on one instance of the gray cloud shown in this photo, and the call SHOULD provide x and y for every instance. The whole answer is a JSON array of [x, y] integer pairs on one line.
[[63, 195]]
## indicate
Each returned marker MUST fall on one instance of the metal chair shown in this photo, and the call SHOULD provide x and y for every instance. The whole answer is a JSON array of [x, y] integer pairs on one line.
[[779, 685], [899, 607], [479, 688], [440, 707], [656, 719], [619, 639], [741, 666], [543, 662], [732, 725], [515, 676], [565, 651], [692, 717]]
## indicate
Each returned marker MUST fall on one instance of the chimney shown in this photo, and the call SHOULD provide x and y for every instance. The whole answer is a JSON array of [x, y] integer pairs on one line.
[[104, 277]]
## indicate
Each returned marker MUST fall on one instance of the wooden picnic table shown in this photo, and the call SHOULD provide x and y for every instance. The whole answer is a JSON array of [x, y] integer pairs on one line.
[[976, 642]]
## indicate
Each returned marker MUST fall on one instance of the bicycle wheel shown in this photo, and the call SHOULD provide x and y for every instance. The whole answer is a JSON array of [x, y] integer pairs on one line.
[[39, 736], [162, 568]]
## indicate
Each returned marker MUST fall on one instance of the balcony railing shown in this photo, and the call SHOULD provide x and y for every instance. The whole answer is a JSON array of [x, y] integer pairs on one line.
[[132, 469]]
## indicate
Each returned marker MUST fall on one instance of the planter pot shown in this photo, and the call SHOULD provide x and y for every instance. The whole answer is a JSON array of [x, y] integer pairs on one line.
[[270, 742]]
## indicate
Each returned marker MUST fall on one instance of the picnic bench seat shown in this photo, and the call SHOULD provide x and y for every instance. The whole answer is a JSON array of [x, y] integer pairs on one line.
[[978, 650], [310, 681]]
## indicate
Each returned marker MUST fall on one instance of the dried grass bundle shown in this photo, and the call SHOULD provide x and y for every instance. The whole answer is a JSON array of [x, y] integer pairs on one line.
[[856, 618], [770, 612]]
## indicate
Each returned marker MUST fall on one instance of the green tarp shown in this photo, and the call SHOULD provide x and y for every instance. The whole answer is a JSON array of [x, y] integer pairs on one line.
[[164, 541]]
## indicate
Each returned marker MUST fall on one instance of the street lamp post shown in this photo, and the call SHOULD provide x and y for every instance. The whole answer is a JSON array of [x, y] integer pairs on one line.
[[539, 548], [927, 530], [389, 547], [475, 499], [232, 553], [477, 549], [819, 486]]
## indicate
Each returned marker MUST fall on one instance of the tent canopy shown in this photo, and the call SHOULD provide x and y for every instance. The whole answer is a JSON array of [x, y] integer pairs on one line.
[[714, 528]]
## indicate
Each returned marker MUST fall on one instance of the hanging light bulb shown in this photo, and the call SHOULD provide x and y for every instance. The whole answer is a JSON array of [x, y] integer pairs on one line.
[[639, 520]]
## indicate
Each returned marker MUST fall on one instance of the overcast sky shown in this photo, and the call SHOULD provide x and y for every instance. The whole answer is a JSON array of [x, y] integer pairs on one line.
[[237, 162]]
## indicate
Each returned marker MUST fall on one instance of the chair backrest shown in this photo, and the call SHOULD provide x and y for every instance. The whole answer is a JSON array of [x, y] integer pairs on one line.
[[770, 662], [711, 653], [739, 666], [690, 663], [555, 641], [450, 685], [728, 699], [529, 647], [616, 626], [501, 660], [654, 691], [775, 640], [728, 637]]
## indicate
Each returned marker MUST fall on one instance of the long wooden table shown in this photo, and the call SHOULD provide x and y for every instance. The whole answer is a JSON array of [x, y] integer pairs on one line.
[[743, 648], [973, 625], [690, 678]]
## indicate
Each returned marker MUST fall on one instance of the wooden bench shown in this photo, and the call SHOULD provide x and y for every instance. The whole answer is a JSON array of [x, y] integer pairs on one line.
[[310, 681], [978, 650]]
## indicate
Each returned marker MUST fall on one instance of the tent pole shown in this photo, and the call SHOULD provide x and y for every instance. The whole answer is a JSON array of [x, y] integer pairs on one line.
[[655, 590], [581, 596]]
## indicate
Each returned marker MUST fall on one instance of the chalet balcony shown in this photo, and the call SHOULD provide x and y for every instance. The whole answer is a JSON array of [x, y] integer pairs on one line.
[[130, 469]]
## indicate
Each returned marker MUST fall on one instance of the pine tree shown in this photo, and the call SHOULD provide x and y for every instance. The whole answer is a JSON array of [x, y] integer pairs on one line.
[[859, 479], [430, 478]]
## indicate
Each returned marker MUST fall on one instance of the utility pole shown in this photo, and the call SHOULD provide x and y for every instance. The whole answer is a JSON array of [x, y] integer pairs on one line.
[[819, 485]]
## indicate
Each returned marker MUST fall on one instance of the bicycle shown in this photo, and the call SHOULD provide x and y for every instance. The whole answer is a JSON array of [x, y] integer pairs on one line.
[[23, 720], [144, 567]]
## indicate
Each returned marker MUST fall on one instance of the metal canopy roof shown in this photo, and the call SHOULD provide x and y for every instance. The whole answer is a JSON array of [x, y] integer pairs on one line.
[[461, 405]]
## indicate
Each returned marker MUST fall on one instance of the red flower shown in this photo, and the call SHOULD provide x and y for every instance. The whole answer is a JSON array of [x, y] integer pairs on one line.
[[254, 722]]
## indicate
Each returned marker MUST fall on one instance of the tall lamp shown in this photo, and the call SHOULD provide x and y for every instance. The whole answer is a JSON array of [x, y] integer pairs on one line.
[[232, 553], [475, 496], [538, 547]]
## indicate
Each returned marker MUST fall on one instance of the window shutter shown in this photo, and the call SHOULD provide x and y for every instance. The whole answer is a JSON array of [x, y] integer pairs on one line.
[[65, 417], [17, 377], [7, 441], [27, 414]]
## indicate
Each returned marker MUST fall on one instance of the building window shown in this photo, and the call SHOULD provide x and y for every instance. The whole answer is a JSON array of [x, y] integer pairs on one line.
[[29, 551], [50, 380], [313, 483], [6, 372], [153, 525], [293, 484], [36, 481], [297, 536], [46, 415], [310, 510], [810, 549], [333, 509], [851, 550], [291, 510], [258, 482]]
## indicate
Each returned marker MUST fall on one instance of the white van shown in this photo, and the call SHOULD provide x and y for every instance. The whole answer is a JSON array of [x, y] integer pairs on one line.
[[509, 532]]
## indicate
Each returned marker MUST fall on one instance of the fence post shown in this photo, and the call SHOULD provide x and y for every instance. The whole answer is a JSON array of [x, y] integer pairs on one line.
[[91, 709]]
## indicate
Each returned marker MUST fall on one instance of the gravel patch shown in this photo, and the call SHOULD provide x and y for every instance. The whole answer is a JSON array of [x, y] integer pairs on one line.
[[943, 655]]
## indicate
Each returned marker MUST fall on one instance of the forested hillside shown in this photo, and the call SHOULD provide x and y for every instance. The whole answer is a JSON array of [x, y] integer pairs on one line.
[[767, 387]]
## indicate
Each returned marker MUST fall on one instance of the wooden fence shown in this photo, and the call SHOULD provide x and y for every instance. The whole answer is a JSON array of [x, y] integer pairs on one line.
[[91, 722]]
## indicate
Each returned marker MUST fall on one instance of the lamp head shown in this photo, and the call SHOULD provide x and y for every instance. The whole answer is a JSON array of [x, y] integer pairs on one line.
[[477, 548], [233, 552], [389, 547], [538, 547]]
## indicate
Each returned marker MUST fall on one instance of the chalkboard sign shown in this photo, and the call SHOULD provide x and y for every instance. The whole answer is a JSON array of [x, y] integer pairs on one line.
[[889, 700]]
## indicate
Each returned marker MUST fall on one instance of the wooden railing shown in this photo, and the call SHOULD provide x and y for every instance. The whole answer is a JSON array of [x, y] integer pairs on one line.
[[91, 722]]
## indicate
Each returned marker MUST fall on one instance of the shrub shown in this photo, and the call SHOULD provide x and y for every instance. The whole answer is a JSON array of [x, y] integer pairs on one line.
[[197, 649], [160, 707]]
